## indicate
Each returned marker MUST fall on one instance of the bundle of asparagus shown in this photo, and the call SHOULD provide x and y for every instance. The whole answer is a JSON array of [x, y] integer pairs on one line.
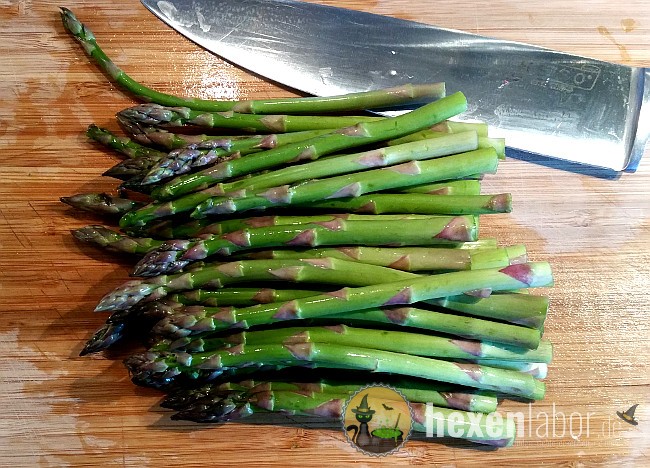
[[374, 222]]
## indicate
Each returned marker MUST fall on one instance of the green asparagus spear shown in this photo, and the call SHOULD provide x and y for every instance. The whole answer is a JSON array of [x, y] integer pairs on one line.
[[334, 165], [356, 184], [397, 96], [212, 151], [323, 271], [522, 309], [328, 167], [173, 117], [450, 187], [411, 258], [115, 241], [122, 145], [101, 203], [169, 229], [407, 291], [414, 390], [150, 366], [475, 427], [387, 340], [349, 137], [380, 203], [174, 255]]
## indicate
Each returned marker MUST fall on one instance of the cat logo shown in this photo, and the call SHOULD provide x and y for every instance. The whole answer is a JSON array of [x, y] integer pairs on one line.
[[377, 420]]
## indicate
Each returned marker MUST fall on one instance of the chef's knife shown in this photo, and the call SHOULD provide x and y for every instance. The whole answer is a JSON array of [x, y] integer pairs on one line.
[[541, 101]]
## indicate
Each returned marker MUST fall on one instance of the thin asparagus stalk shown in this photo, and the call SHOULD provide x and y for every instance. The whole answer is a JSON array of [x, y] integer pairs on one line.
[[450, 187], [213, 151], [174, 255], [417, 203], [156, 115], [415, 391], [151, 366], [101, 203], [387, 340], [325, 271], [407, 291], [122, 145], [356, 184], [411, 258], [335, 165], [349, 137], [396, 96], [474, 427]]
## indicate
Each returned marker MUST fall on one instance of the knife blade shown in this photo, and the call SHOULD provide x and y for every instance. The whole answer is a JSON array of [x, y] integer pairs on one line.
[[541, 101]]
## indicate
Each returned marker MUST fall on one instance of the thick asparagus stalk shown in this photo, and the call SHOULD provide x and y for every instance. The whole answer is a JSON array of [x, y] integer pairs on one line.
[[151, 366], [411, 258], [457, 325], [349, 137], [448, 126], [354, 185], [348, 299], [498, 144], [199, 227], [324, 271], [522, 309], [380, 203], [474, 427], [174, 255], [334, 165], [101, 203]]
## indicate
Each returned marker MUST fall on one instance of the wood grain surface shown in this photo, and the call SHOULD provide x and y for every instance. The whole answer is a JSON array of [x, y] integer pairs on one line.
[[57, 409]]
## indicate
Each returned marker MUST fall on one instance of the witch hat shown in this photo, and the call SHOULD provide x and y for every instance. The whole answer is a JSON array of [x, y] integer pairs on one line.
[[628, 416], [363, 408]]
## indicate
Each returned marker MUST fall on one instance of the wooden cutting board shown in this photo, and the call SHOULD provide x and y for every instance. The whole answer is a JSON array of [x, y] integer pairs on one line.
[[61, 410]]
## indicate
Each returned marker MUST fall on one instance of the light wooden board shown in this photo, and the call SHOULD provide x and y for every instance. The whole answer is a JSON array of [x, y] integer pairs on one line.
[[58, 409]]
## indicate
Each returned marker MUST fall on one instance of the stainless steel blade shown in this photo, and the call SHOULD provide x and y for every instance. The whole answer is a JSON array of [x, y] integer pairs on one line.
[[542, 101]]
